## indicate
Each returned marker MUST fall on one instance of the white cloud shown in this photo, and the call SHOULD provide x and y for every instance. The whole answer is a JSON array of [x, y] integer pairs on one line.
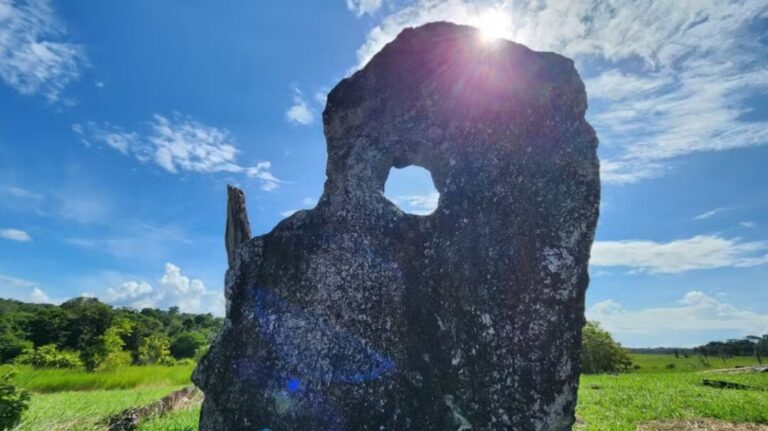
[[696, 311], [179, 143], [136, 241], [15, 235], [173, 289], [8, 282], [698, 252], [300, 112], [34, 59], [321, 96], [361, 7], [418, 204], [20, 193], [709, 214], [39, 296], [22, 290], [306, 203], [748, 224], [671, 78]]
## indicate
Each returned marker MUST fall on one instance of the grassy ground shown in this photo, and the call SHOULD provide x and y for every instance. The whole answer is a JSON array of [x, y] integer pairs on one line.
[[184, 420], [606, 402], [609, 402], [670, 364], [59, 380], [81, 411]]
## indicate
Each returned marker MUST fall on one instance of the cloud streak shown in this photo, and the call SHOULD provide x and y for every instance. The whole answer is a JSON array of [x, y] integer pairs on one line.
[[34, 56], [15, 235], [710, 214], [696, 253], [696, 311], [362, 7], [177, 144], [300, 112]]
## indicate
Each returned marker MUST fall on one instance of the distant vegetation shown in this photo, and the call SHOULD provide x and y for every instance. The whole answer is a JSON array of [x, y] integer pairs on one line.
[[85, 333], [600, 353]]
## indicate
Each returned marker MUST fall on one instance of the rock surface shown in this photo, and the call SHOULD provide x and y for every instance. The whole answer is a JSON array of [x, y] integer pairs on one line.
[[357, 316]]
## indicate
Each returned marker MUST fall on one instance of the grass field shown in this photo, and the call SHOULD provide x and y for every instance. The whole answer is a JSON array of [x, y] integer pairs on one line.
[[84, 410], [75, 400], [59, 380]]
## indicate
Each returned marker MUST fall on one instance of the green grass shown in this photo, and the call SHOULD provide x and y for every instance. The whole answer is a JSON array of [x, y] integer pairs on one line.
[[81, 411], [608, 402], [182, 420], [660, 363], [58, 380]]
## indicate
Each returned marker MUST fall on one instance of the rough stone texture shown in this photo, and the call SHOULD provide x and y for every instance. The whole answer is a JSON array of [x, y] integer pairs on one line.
[[238, 228], [356, 316]]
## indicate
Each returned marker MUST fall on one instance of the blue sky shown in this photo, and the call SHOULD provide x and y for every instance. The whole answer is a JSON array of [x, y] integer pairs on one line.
[[122, 122]]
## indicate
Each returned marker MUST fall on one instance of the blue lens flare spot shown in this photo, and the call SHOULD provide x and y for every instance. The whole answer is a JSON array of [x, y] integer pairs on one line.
[[293, 385]]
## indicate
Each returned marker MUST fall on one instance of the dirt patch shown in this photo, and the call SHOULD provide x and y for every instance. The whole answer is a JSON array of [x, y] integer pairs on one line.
[[699, 425]]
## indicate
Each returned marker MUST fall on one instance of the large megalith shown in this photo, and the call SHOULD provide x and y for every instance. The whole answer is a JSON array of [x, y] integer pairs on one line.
[[356, 316]]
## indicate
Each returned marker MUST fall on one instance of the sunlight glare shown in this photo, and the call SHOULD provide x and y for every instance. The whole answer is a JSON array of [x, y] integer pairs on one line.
[[493, 24]]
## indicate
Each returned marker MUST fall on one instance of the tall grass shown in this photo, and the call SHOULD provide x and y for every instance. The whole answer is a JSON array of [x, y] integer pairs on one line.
[[181, 420], [59, 380], [81, 411]]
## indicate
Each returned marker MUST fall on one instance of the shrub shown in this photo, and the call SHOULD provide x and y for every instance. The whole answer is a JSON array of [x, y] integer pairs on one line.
[[155, 350], [186, 344], [49, 356], [13, 401], [600, 353], [11, 347]]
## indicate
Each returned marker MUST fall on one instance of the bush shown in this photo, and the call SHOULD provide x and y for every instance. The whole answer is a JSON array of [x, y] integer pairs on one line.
[[186, 344], [600, 353], [155, 350], [49, 356], [13, 401], [11, 347]]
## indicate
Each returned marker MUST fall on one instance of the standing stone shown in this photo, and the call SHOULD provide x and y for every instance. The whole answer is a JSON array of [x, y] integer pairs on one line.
[[357, 316]]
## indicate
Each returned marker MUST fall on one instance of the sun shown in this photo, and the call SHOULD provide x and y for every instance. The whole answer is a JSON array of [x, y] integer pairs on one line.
[[493, 24]]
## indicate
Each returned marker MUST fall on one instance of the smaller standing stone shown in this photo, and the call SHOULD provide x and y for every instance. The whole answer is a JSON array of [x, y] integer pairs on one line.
[[238, 227]]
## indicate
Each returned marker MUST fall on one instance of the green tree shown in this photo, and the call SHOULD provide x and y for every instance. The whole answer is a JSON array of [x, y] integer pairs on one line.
[[755, 340], [600, 353], [107, 352], [155, 349], [13, 401], [12, 346], [49, 326], [186, 344], [89, 320]]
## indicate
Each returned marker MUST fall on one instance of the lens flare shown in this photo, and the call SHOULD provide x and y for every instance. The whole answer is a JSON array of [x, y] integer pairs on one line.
[[493, 24]]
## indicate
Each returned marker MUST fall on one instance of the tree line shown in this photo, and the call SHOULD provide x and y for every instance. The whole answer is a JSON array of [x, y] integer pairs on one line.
[[751, 345], [84, 332]]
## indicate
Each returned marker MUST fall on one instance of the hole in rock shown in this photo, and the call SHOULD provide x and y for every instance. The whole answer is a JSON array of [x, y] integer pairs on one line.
[[412, 190]]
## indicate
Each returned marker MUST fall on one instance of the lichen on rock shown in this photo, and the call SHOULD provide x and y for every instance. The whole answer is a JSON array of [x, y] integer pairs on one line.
[[356, 316]]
